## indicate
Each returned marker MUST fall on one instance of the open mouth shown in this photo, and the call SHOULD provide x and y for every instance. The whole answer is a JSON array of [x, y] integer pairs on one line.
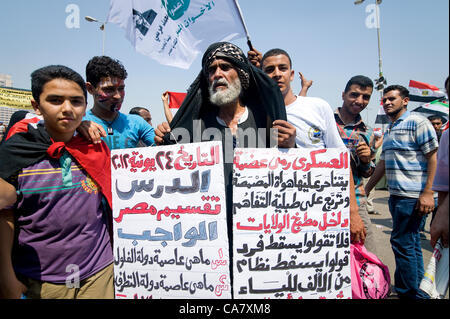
[[220, 86]]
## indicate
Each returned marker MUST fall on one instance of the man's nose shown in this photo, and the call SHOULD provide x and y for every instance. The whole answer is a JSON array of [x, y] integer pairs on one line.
[[277, 72], [117, 95], [360, 100], [218, 74], [67, 106]]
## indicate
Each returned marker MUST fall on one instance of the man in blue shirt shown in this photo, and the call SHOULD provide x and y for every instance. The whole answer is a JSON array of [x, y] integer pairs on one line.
[[106, 83], [409, 161]]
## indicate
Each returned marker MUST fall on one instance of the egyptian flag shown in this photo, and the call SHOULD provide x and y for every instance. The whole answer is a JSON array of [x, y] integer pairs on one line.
[[175, 101], [33, 145], [423, 92], [382, 118]]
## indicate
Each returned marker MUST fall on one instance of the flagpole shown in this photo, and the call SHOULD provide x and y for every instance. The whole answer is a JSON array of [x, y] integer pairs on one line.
[[380, 61], [249, 42]]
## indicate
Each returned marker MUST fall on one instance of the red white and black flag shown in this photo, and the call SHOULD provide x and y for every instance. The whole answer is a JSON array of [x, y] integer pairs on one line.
[[423, 92]]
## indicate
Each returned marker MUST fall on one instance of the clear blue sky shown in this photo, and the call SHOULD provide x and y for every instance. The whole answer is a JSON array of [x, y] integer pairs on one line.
[[328, 40]]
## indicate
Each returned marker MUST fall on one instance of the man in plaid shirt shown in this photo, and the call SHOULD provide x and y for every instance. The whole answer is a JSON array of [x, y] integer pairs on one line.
[[357, 136]]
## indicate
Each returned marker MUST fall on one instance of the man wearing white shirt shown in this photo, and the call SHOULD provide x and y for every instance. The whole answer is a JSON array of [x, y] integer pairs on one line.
[[312, 116], [313, 120]]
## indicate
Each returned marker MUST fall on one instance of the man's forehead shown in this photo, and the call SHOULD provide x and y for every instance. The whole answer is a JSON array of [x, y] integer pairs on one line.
[[219, 61], [278, 59], [359, 88], [392, 93], [111, 81]]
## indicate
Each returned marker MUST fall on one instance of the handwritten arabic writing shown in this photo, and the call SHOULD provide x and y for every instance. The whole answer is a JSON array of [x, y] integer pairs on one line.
[[291, 217], [294, 224], [296, 163], [176, 187], [124, 255], [170, 229], [175, 159], [303, 183], [143, 208], [162, 235]]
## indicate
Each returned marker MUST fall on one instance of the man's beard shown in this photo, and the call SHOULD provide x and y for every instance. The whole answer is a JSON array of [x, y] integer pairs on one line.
[[394, 113], [225, 96]]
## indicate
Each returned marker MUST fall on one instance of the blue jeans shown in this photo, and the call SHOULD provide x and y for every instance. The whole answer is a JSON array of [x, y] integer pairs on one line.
[[406, 245]]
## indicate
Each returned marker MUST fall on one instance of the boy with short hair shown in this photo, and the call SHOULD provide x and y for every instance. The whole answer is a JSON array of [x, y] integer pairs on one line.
[[55, 241], [105, 79]]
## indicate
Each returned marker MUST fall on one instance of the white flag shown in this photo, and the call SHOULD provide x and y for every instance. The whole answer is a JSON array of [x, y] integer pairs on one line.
[[174, 32]]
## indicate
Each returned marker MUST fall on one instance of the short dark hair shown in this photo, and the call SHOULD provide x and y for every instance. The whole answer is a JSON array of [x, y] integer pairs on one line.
[[48, 73], [136, 110], [436, 117], [103, 66], [361, 80], [404, 92], [275, 52]]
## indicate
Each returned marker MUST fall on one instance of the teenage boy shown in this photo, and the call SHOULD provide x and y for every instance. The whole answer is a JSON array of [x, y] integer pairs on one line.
[[55, 241], [313, 120], [106, 83]]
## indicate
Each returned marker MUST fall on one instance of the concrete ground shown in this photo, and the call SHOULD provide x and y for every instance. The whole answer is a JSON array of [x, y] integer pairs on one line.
[[382, 225]]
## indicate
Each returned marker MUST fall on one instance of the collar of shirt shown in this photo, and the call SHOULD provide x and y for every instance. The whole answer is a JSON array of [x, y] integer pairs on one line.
[[242, 119], [357, 121], [400, 119]]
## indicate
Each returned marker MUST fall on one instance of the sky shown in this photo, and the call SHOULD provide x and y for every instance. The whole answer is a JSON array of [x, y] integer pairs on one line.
[[329, 42]]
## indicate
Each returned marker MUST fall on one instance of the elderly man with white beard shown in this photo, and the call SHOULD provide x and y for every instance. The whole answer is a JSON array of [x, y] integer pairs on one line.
[[230, 94], [234, 102], [230, 100]]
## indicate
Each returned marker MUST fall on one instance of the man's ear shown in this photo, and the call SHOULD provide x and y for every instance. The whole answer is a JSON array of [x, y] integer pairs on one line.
[[405, 101], [90, 88], [35, 106]]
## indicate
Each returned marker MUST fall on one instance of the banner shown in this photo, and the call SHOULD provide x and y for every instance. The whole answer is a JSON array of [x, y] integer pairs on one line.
[[15, 98], [291, 227], [174, 32], [169, 218]]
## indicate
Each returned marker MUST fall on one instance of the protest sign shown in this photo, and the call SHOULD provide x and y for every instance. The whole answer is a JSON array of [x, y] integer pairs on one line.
[[169, 221], [291, 224]]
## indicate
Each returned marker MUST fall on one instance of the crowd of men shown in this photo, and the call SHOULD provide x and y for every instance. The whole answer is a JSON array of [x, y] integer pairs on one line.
[[233, 92]]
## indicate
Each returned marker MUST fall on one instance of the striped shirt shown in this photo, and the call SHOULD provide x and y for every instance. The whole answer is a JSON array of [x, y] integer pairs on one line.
[[60, 222], [406, 144]]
